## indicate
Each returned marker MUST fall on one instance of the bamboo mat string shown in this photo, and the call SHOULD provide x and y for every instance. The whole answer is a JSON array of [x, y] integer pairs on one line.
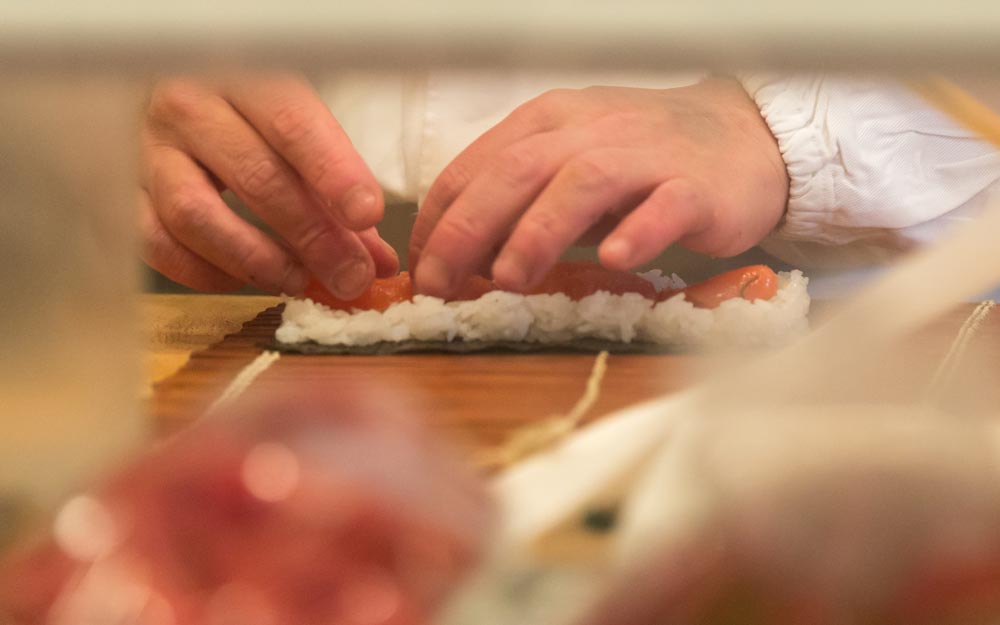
[[539, 436], [949, 365], [244, 379], [984, 121]]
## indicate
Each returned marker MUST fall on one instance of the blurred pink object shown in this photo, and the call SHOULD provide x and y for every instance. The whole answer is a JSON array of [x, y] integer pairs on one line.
[[325, 506]]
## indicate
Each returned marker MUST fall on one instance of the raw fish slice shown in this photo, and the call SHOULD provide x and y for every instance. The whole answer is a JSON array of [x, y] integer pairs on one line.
[[384, 292], [577, 280], [751, 283], [580, 279]]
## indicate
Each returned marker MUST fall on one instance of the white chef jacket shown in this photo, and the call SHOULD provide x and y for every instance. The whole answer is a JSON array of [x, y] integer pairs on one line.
[[873, 169]]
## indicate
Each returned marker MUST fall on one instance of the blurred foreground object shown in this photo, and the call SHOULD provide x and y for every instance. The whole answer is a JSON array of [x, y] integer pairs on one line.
[[855, 35], [68, 277], [866, 514], [319, 507]]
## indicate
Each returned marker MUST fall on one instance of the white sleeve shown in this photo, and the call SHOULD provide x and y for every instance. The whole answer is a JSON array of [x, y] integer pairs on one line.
[[872, 167], [381, 113]]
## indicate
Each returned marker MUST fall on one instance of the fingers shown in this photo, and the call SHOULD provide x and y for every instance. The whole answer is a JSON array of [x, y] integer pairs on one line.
[[294, 121], [191, 210], [164, 253], [223, 142], [587, 188], [535, 117], [673, 211], [478, 221], [383, 255], [539, 198], [545, 193]]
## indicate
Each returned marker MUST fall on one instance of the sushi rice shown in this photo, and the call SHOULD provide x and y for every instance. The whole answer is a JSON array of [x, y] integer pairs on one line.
[[504, 316]]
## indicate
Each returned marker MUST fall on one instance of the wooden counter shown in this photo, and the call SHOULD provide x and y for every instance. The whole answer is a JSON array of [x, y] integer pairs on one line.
[[480, 398]]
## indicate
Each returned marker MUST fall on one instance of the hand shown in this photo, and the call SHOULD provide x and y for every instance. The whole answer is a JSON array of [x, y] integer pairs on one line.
[[275, 145], [696, 165]]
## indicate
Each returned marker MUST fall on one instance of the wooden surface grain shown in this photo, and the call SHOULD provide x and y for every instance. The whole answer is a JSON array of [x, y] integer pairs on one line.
[[477, 397], [175, 326], [482, 398]]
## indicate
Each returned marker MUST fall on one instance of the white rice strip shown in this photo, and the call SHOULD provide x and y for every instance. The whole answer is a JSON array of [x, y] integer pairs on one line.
[[946, 370], [502, 316], [244, 379], [660, 281]]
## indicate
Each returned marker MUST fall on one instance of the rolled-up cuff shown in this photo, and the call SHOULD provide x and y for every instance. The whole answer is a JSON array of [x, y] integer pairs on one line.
[[790, 108]]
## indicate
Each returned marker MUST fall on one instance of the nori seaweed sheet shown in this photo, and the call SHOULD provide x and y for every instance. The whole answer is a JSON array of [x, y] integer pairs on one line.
[[582, 345]]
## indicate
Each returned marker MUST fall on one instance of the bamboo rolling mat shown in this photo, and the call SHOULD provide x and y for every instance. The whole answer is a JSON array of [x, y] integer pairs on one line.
[[477, 396], [482, 398]]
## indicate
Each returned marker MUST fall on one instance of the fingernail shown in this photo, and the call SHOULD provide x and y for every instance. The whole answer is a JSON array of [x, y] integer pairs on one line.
[[618, 252], [359, 208], [295, 281], [433, 276], [511, 272], [350, 279]]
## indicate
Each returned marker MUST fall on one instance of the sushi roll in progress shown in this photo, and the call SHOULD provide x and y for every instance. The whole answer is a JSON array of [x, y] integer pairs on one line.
[[577, 300]]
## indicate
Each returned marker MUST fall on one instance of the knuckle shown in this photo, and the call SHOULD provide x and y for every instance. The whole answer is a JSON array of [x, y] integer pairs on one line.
[[188, 213], [252, 266], [328, 174], [544, 111], [540, 230], [448, 185], [630, 125], [172, 262], [688, 194], [154, 246], [260, 178], [162, 255], [519, 165], [175, 100], [293, 124], [157, 256], [461, 229], [311, 240], [679, 193], [592, 173], [418, 240], [558, 95]]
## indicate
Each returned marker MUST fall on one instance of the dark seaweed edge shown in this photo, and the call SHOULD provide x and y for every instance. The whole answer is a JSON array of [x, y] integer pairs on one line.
[[582, 345]]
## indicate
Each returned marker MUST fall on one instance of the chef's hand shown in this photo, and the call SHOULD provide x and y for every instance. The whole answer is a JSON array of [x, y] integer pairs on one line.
[[696, 165], [275, 145]]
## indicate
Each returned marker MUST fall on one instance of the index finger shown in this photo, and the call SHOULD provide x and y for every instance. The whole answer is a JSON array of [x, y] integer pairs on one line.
[[534, 117], [289, 114]]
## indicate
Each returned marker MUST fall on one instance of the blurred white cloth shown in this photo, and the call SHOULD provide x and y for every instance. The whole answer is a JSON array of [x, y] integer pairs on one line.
[[874, 170]]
